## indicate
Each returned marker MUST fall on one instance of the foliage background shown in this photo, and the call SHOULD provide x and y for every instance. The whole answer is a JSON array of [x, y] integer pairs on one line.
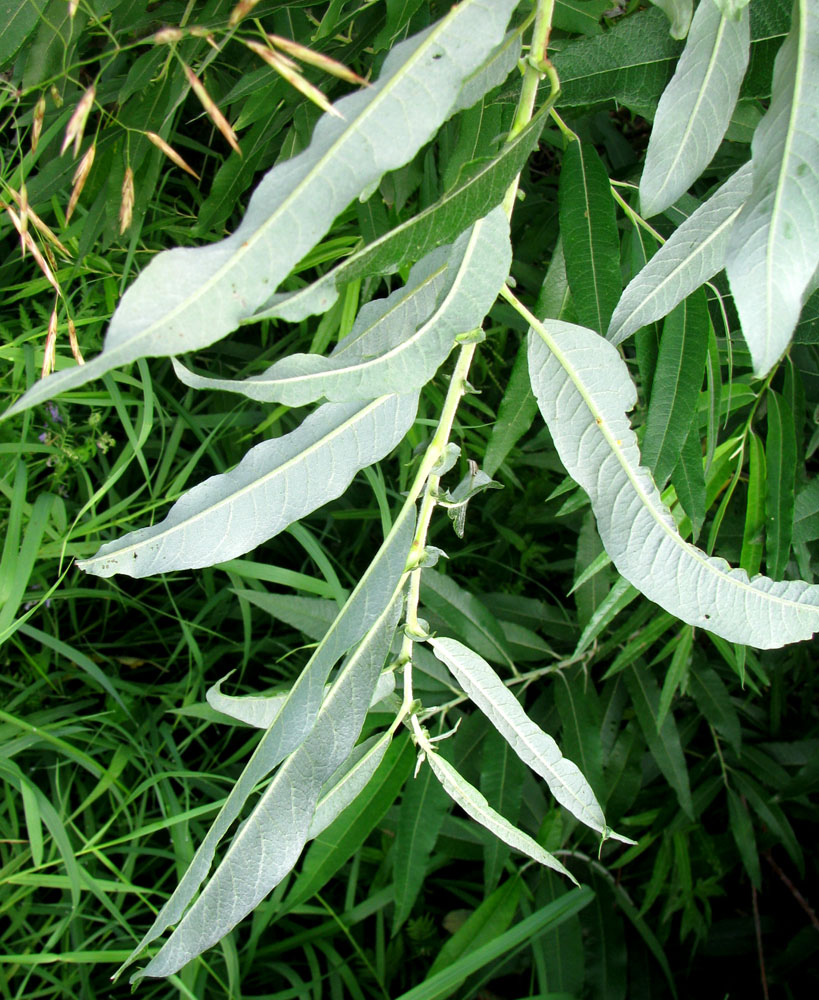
[[111, 761]]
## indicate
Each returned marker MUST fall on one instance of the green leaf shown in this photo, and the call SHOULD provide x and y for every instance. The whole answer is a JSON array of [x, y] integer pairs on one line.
[[742, 829], [260, 711], [676, 387], [691, 256], [696, 106], [677, 673], [399, 342], [754, 530], [491, 919], [462, 612], [780, 449], [343, 788], [588, 228], [19, 18], [188, 298], [475, 805], [502, 776], [678, 13], [806, 513], [774, 248], [713, 700], [269, 842], [442, 222], [275, 484], [424, 805], [515, 415], [294, 722], [534, 747], [523, 934], [663, 740], [688, 479], [579, 712], [584, 392], [630, 64], [335, 846]]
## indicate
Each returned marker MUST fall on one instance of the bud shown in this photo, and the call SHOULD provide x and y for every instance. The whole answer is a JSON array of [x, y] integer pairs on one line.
[[166, 36], [241, 10]]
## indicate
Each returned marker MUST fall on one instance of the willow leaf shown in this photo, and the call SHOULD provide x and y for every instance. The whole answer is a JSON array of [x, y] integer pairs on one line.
[[362, 610], [534, 747], [399, 342], [275, 484], [584, 391], [678, 13], [260, 711], [691, 256], [475, 805], [269, 842], [344, 787], [696, 106], [774, 248], [190, 297], [473, 198]]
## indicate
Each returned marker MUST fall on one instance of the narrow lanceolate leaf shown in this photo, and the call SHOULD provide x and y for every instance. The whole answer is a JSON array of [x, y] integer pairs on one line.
[[397, 343], [676, 387], [584, 391], [678, 13], [780, 448], [696, 106], [774, 248], [588, 227], [268, 844], [275, 484], [188, 298], [691, 256], [534, 747], [362, 610], [424, 806], [344, 787], [441, 223], [475, 805], [260, 711]]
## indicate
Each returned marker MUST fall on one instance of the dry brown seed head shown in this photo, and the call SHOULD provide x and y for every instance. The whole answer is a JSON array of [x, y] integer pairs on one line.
[[75, 128], [37, 123], [241, 10], [74, 343], [171, 153], [305, 54], [126, 205], [214, 113], [50, 354], [166, 36], [79, 179]]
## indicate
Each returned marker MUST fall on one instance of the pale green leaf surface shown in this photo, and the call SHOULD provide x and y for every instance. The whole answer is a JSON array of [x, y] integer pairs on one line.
[[269, 842], [774, 247], [343, 788], [584, 392], [311, 615], [691, 256], [296, 718], [260, 711], [490, 74], [678, 13], [441, 223], [696, 106], [188, 298], [276, 483], [399, 342], [733, 8], [475, 805], [534, 747]]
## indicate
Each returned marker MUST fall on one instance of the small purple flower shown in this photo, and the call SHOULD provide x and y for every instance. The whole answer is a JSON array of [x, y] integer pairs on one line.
[[43, 438], [54, 412]]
